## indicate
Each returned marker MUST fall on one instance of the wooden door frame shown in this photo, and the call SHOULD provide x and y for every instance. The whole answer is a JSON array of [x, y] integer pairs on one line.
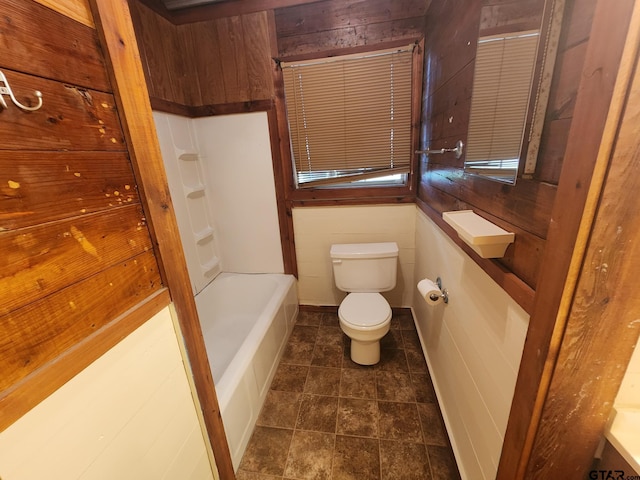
[[117, 38], [555, 392]]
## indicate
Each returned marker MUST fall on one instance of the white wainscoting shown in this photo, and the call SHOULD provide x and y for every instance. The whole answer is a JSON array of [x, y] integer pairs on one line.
[[473, 346]]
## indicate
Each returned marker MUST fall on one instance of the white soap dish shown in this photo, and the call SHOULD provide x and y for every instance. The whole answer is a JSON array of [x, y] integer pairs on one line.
[[485, 238]]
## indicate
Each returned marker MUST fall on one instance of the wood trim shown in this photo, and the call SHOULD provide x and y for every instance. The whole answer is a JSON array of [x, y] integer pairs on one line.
[[167, 106], [231, 108], [602, 310], [31, 390], [522, 293], [354, 50], [565, 246], [113, 21]]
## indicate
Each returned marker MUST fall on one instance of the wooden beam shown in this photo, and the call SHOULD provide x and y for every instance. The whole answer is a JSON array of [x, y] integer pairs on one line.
[[564, 253], [115, 30]]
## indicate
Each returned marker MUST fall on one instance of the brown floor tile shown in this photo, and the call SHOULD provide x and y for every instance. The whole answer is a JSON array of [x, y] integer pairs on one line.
[[309, 318], [280, 409], [432, 425], [443, 463], [358, 383], [406, 321], [310, 456], [393, 340], [395, 387], [416, 361], [267, 451], [411, 340], [356, 459], [297, 353], [290, 378], [317, 413], [357, 416], [323, 381], [330, 319], [303, 334], [423, 387], [393, 360], [399, 421], [327, 356], [330, 336], [244, 475], [326, 417], [403, 461]]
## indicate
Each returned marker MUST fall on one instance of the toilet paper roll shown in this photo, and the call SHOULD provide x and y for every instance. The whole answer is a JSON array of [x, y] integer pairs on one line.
[[430, 291]]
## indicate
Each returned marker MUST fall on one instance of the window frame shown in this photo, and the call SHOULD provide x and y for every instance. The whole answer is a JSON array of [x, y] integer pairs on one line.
[[343, 194]]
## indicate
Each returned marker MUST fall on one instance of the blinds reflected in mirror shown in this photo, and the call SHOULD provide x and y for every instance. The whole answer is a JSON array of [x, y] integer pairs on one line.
[[350, 117], [501, 88]]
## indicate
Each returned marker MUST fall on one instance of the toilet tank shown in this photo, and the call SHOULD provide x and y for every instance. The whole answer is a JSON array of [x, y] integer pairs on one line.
[[365, 267]]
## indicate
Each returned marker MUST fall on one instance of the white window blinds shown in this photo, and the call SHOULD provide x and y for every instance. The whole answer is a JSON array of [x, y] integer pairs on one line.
[[501, 89], [350, 117]]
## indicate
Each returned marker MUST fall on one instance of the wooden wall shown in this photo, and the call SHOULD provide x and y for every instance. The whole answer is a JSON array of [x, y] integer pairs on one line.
[[72, 228], [452, 30], [212, 62], [228, 59]]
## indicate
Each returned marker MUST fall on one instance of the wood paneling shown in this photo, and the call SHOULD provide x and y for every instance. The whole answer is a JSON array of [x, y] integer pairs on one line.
[[45, 258], [71, 117], [38, 333], [82, 183], [76, 9], [215, 62], [72, 229], [331, 25], [35, 40]]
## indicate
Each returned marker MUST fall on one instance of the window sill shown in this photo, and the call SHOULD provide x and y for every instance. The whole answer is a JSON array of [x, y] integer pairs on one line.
[[351, 196]]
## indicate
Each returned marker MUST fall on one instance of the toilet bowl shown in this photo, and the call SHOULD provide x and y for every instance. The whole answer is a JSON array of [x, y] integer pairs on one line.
[[365, 318]]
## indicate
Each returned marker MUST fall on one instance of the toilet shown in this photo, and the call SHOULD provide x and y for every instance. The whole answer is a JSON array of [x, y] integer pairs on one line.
[[364, 270]]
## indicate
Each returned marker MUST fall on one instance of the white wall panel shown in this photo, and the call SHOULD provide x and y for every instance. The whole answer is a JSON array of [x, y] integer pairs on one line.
[[126, 416], [317, 228], [473, 347]]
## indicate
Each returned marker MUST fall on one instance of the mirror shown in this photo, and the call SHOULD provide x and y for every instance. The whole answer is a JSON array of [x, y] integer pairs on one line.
[[513, 70]]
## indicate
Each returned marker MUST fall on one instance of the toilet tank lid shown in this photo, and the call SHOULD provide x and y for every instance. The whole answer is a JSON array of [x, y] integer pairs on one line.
[[364, 250]]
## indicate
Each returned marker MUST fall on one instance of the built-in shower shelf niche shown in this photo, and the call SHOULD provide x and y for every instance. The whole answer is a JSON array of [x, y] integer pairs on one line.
[[211, 268], [204, 235], [194, 192], [197, 204], [485, 238]]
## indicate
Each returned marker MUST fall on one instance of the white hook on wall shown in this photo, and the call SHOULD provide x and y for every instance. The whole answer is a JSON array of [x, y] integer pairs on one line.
[[5, 89]]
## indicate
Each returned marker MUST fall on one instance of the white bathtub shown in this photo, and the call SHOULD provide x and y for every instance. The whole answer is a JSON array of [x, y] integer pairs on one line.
[[246, 320]]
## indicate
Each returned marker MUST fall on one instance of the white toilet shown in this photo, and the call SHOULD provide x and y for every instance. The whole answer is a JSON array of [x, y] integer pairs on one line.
[[364, 270]]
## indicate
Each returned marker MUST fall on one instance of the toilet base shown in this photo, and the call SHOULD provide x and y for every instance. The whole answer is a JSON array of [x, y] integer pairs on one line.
[[365, 353]]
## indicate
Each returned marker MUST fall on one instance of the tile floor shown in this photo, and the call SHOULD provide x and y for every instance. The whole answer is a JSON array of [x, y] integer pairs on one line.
[[326, 417]]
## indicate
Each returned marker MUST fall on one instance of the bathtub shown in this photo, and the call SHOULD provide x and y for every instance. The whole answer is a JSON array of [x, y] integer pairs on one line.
[[246, 320]]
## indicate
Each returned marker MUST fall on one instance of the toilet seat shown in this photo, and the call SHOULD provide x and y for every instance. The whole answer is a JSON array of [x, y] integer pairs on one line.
[[364, 310]]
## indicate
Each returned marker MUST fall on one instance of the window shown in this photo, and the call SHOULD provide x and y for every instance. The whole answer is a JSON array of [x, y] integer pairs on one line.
[[350, 119]]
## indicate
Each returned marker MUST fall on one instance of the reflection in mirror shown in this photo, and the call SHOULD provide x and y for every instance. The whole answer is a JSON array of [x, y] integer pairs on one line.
[[501, 89], [513, 71]]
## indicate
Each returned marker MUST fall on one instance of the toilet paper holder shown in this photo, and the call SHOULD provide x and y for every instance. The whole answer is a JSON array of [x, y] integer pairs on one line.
[[444, 295]]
